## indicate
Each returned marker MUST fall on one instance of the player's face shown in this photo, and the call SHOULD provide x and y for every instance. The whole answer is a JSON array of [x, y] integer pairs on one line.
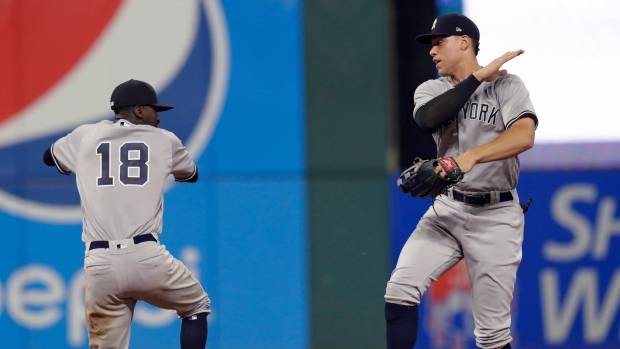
[[446, 54], [149, 116]]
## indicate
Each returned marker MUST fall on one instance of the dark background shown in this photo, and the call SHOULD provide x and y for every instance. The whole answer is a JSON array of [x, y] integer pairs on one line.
[[413, 66]]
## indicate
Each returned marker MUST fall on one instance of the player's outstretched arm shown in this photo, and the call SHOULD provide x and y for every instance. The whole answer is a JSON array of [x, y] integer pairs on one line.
[[515, 140], [493, 70]]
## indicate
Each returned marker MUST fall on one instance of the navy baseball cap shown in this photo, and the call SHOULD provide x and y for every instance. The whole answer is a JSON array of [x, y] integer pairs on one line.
[[448, 25], [135, 92]]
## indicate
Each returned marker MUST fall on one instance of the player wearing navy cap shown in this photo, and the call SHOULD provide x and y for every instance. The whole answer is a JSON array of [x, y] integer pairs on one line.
[[481, 119], [121, 168]]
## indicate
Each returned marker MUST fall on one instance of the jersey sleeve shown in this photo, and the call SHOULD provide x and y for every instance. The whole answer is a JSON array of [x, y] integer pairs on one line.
[[514, 100], [184, 168], [424, 93], [65, 150]]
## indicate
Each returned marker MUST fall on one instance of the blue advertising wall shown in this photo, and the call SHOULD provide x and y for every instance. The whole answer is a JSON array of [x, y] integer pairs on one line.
[[234, 75], [568, 287]]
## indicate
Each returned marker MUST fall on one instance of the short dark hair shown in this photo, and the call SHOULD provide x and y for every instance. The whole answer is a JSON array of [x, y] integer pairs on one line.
[[123, 110], [476, 45]]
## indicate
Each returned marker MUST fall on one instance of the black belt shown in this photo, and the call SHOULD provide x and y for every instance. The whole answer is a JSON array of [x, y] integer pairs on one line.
[[481, 199], [136, 240]]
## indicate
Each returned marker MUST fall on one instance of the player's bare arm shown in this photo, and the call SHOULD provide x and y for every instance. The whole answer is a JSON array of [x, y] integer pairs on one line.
[[512, 142], [493, 70]]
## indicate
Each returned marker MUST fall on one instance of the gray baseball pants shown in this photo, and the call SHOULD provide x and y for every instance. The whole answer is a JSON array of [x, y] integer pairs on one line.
[[118, 276], [488, 237]]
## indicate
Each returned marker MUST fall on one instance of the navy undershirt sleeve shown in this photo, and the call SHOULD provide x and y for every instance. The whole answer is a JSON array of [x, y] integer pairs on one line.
[[191, 179], [48, 159], [442, 108]]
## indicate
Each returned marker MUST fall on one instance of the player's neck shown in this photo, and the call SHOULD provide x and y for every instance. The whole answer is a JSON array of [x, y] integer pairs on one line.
[[464, 72]]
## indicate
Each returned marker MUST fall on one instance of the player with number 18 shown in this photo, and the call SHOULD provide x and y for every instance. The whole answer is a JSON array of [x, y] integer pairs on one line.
[[121, 167]]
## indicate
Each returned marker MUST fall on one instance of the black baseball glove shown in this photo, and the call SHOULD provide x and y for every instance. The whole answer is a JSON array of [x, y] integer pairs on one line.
[[422, 181]]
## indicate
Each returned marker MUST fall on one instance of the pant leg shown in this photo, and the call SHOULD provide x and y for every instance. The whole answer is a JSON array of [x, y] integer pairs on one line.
[[492, 247], [167, 283], [430, 251], [108, 314]]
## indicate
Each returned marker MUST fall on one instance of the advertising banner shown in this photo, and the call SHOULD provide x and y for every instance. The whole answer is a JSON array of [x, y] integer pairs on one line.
[[233, 71], [568, 285]]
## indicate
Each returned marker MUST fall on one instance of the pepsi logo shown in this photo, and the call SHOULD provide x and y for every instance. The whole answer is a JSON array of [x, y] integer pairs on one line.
[[63, 60]]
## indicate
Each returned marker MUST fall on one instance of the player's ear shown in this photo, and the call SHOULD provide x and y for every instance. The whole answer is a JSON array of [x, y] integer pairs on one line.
[[137, 111], [465, 42]]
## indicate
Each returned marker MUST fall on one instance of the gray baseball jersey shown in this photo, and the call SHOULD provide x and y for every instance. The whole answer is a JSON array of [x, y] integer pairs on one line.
[[487, 236], [121, 169], [493, 108]]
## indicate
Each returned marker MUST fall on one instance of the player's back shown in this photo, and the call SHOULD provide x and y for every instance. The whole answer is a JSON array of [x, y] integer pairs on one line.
[[121, 171]]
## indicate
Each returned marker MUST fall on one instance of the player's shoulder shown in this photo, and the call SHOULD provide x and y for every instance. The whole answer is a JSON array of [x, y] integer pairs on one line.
[[166, 133], [439, 84], [85, 128], [440, 81], [169, 135], [508, 79], [509, 83]]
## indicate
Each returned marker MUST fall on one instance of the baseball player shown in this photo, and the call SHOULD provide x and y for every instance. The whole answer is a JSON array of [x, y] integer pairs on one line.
[[482, 118], [121, 168]]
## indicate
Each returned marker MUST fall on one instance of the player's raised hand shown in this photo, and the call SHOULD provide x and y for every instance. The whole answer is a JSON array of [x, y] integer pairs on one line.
[[492, 71]]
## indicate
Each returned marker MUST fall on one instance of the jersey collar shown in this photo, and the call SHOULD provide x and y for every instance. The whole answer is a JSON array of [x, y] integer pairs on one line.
[[123, 122]]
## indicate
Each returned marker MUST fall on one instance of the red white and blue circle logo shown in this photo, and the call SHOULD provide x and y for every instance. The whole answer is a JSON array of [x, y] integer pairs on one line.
[[59, 72]]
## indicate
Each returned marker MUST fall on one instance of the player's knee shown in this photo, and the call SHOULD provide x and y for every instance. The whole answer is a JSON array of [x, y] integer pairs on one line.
[[402, 294], [496, 339], [203, 305]]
